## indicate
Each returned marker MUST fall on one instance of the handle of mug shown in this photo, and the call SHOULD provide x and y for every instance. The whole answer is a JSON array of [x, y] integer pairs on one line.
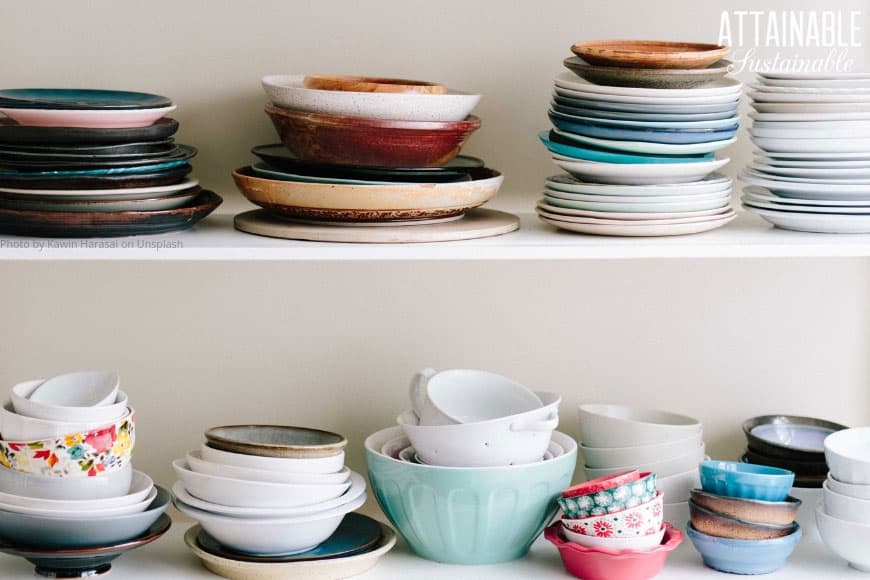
[[546, 425], [417, 390]]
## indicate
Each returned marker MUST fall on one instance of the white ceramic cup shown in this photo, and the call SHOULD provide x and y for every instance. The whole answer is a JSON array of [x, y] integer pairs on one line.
[[467, 396]]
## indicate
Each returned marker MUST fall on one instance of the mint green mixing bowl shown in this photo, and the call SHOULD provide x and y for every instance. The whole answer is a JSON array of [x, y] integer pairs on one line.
[[468, 515]]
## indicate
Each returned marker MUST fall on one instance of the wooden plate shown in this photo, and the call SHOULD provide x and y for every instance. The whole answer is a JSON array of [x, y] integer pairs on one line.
[[649, 53]]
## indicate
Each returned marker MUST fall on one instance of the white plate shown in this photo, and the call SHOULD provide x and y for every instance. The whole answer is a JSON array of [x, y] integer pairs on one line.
[[639, 173], [105, 194], [811, 90], [814, 222], [805, 125], [813, 145], [61, 204], [763, 97], [811, 190], [723, 86], [762, 159], [797, 117], [811, 108], [715, 182], [564, 211], [761, 194], [628, 207], [615, 222], [817, 173], [844, 133], [816, 83], [751, 171], [667, 125], [648, 108], [645, 230], [645, 147], [585, 111], [808, 77], [751, 201], [716, 195], [727, 99], [815, 157]]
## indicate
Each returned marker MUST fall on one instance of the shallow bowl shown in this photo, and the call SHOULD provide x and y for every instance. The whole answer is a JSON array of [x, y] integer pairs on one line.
[[598, 499], [789, 436], [848, 455], [326, 465], [845, 507], [96, 119], [22, 405], [624, 425], [856, 490], [107, 485], [847, 539], [199, 465], [614, 542], [780, 513], [654, 78], [736, 479], [15, 426], [722, 526], [744, 556], [639, 454], [276, 441], [649, 53], [665, 468], [78, 389]]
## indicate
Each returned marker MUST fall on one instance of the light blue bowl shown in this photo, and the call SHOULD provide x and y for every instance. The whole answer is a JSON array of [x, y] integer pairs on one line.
[[736, 479], [744, 556], [468, 515]]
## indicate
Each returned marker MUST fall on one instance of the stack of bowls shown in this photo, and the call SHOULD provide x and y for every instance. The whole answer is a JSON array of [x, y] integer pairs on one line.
[[87, 163], [613, 527], [618, 438], [274, 499], [471, 474], [70, 501], [812, 170], [743, 520], [636, 125], [367, 151], [843, 515], [790, 442]]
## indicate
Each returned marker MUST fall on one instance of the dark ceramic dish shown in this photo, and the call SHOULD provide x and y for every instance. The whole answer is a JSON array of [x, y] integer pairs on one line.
[[150, 179], [278, 156], [175, 154], [62, 224], [12, 133], [777, 436], [802, 481], [91, 204], [341, 140], [84, 562], [819, 467], [653, 78], [78, 152], [79, 99]]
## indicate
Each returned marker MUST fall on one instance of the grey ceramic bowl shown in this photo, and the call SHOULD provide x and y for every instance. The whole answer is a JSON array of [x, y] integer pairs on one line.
[[653, 78], [275, 440], [789, 436], [65, 533]]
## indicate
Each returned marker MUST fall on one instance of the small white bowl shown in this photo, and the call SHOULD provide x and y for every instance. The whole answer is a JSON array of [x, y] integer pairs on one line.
[[199, 465], [140, 487], [848, 455], [667, 468], [849, 540], [855, 490], [22, 405], [133, 508], [844, 507], [639, 454], [626, 543], [331, 464], [624, 425], [109, 484], [16, 427], [241, 493], [78, 389], [271, 536]]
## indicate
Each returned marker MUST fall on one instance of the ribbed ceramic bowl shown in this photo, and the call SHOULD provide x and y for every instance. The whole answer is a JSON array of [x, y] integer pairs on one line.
[[744, 556], [468, 515], [370, 142], [736, 479]]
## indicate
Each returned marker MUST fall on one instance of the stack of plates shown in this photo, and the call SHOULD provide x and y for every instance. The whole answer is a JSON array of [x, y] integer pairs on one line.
[[85, 162], [812, 170], [637, 138]]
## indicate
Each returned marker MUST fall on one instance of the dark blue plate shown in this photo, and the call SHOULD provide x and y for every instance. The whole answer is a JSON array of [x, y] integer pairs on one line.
[[79, 99], [356, 533], [11, 133], [115, 181], [604, 156], [647, 135], [92, 172]]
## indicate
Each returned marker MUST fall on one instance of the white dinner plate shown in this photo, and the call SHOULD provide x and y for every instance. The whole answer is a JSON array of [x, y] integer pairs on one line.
[[812, 76], [810, 90], [811, 108], [762, 195], [666, 125], [638, 173], [629, 207], [810, 190], [762, 159], [615, 222], [751, 171], [814, 157], [104, 194], [762, 204], [816, 84], [763, 97], [798, 145], [729, 99], [812, 125], [815, 173], [646, 147], [715, 182], [724, 86], [844, 133], [566, 211], [716, 195], [809, 117], [816, 222], [641, 230]]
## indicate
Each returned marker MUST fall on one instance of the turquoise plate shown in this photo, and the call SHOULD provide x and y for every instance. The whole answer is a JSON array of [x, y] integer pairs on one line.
[[592, 154], [79, 99], [106, 171]]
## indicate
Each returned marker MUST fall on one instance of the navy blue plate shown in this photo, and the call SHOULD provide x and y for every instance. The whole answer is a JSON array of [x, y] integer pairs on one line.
[[647, 135], [557, 144], [79, 99], [11, 133]]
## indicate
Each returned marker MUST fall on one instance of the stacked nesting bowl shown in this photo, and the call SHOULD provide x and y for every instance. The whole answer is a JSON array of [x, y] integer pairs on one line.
[[636, 126], [275, 500], [88, 163], [471, 474], [70, 501]]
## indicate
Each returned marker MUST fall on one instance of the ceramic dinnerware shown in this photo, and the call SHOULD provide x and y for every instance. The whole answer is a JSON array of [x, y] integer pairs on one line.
[[639, 173], [637, 520], [666, 468], [744, 556], [139, 485], [14, 134], [654, 78], [844, 507], [736, 479], [634, 543], [848, 455], [34, 98], [780, 513], [276, 441], [636, 454], [17, 427], [649, 53], [715, 524], [847, 539], [199, 465], [578, 502], [24, 406], [79, 389], [87, 118], [604, 425], [856, 490], [362, 84], [329, 464], [109, 484]]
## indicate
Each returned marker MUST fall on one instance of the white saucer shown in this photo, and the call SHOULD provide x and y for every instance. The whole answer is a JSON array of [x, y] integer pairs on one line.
[[816, 173], [798, 145], [809, 117], [621, 216], [615, 222], [642, 199], [639, 173], [754, 202], [751, 171], [728, 99], [814, 222], [642, 229], [629, 207], [765, 97], [715, 182], [811, 190], [763, 195]]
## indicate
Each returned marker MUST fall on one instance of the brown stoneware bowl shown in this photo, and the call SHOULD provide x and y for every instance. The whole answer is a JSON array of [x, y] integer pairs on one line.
[[653, 78], [781, 513], [649, 53], [275, 440], [370, 142], [713, 524]]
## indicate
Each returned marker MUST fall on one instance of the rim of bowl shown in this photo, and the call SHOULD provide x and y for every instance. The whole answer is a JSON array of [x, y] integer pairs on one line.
[[791, 421], [128, 416], [335, 446], [183, 465], [469, 123], [684, 422], [716, 515], [741, 468], [835, 438], [164, 496], [658, 498], [554, 403], [789, 501], [672, 538], [798, 530], [289, 82]]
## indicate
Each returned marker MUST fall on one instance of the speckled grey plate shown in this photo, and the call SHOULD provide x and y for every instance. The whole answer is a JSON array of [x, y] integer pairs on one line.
[[275, 440], [655, 78]]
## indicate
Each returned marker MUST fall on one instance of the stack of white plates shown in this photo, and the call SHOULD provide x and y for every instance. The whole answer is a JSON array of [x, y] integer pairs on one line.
[[812, 172]]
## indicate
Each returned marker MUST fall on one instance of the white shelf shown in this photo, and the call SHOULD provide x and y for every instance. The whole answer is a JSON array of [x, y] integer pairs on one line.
[[215, 239], [169, 558]]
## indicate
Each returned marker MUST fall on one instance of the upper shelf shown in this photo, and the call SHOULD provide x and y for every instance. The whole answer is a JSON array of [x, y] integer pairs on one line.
[[215, 239]]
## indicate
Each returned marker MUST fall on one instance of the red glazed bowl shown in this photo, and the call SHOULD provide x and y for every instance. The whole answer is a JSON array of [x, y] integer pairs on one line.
[[604, 564], [370, 142]]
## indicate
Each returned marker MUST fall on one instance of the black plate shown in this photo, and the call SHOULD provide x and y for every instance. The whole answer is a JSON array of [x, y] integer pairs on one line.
[[75, 152], [772, 449], [166, 177], [13, 133], [278, 156], [178, 153]]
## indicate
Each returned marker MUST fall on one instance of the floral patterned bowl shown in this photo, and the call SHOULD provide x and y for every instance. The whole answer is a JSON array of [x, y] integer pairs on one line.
[[615, 499], [640, 520], [85, 454]]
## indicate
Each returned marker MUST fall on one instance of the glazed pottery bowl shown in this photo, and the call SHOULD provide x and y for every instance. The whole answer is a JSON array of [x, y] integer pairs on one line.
[[639, 520], [744, 556], [665, 468], [271, 536], [330, 464], [847, 539], [649, 53], [654, 78], [370, 142], [288, 91], [76, 455], [600, 500], [109, 484], [639, 454], [622, 425], [646, 542], [479, 515], [722, 526], [276, 441], [855, 490], [79, 389], [22, 405], [848, 455], [603, 564], [844, 507], [511, 440], [199, 465], [780, 513], [75, 532], [18, 427], [789, 436], [735, 479], [679, 486], [254, 494]]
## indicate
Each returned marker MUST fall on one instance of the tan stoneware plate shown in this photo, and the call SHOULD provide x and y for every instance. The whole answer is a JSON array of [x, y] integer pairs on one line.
[[755, 511], [371, 85], [722, 526], [650, 78], [402, 201], [275, 441], [649, 53]]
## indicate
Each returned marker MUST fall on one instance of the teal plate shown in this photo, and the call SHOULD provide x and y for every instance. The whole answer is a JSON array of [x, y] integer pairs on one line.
[[603, 156], [157, 167], [356, 534], [79, 99]]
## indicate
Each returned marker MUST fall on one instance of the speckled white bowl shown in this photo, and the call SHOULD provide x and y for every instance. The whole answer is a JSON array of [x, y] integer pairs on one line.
[[287, 91]]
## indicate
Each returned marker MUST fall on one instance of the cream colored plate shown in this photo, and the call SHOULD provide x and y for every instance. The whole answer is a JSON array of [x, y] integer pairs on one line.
[[329, 569], [645, 230], [612, 215], [616, 222]]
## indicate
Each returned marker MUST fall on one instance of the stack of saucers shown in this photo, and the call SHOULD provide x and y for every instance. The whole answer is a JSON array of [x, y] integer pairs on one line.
[[812, 170], [276, 500], [89, 163], [486, 451], [636, 126], [365, 151], [70, 501], [613, 527]]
